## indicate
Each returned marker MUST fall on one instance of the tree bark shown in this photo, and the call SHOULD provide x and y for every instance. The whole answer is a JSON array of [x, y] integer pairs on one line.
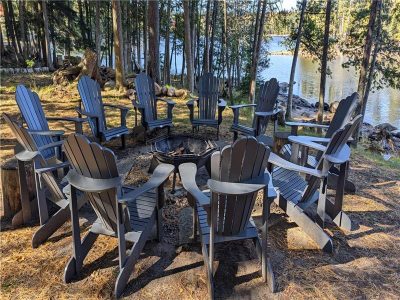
[[226, 57], [82, 23], [153, 66], [213, 29], [294, 61], [206, 63], [256, 53], [324, 62], [188, 47], [9, 28], [98, 33], [145, 35], [46, 34], [118, 44], [167, 77], [22, 28]]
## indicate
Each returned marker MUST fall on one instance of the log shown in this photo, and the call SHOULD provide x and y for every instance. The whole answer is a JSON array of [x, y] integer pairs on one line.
[[10, 204]]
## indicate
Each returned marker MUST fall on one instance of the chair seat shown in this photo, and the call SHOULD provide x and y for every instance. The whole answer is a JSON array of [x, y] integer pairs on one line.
[[159, 123], [207, 122], [289, 184], [287, 152], [115, 132], [204, 228]]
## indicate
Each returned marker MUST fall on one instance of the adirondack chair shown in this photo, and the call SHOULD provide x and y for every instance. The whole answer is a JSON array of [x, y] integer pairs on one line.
[[45, 181], [129, 215], [299, 154], [237, 174], [33, 114], [90, 93], [265, 110], [147, 104], [299, 187], [207, 104]]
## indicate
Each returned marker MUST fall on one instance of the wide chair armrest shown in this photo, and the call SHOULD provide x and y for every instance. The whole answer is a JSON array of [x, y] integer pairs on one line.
[[160, 175], [67, 119], [188, 175], [191, 102], [47, 132], [339, 157], [168, 101], [304, 124], [265, 114], [239, 106], [233, 188], [300, 140], [120, 107], [51, 145], [88, 184], [85, 113], [221, 103], [52, 168], [26, 155], [280, 162], [266, 179]]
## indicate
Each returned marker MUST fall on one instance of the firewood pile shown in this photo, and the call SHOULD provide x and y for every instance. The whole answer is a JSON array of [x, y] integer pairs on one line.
[[161, 91], [87, 66]]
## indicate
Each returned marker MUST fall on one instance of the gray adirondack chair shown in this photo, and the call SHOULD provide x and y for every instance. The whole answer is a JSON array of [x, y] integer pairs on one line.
[[224, 213], [45, 181], [299, 187], [210, 106], [299, 154], [147, 104], [33, 114], [265, 110], [126, 213], [90, 93]]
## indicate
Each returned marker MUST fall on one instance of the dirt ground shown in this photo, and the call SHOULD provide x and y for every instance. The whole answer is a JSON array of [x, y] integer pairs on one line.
[[364, 264]]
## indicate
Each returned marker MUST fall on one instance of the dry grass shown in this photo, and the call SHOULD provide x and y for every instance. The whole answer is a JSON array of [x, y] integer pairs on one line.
[[364, 265]]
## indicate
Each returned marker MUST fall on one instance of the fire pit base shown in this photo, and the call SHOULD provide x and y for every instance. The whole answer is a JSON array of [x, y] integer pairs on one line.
[[179, 149]]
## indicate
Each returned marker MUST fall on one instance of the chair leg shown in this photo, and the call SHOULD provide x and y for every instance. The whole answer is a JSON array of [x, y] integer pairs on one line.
[[235, 136], [218, 133], [194, 235], [123, 141], [210, 283]]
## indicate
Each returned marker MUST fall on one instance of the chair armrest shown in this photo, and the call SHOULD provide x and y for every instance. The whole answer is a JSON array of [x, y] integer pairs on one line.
[[87, 184], [306, 142], [52, 168], [188, 175], [67, 119], [265, 179], [280, 162], [340, 157], [264, 114], [303, 124], [191, 102], [137, 105], [168, 101], [221, 103], [239, 106], [85, 113], [26, 155], [51, 145], [190, 105], [160, 175], [47, 132], [233, 188], [120, 107]]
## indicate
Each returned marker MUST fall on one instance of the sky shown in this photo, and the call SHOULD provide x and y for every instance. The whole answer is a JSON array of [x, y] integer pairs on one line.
[[288, 4]]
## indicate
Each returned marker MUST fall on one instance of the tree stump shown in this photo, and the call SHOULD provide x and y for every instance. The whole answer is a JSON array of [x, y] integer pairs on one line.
[[10, 206], [280, 139]]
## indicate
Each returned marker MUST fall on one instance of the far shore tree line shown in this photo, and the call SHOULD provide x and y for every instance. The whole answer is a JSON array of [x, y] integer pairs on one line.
[[228, 38]]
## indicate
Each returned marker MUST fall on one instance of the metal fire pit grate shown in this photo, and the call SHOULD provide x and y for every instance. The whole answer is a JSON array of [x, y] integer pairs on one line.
[[179, 149]]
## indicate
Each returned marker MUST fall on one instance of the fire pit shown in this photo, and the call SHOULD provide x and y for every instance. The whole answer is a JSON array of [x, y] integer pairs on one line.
[[179, 149]]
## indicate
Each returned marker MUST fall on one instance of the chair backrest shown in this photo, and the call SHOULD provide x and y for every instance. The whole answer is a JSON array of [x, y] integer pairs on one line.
[[28, 143], [343, 114], [146, 96], [267, 100], [32, 112], [244, 160], [208, 96], [90, 93], [93, 161]]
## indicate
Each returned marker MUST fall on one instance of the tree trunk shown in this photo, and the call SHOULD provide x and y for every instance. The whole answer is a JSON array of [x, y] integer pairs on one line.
[[256, 53], [153, 68], [82, 23], [324, 62], [226, 58], [9, 28], [294, 61], [46, 34], [188, 48], [22, 28], [97, 33], [213, 27], [137, 33], [118, 44], [145, 35], [206, 63], [14, 26], [167, 77]]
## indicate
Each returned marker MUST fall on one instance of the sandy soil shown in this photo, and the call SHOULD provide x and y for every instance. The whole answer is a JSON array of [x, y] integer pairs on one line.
[[364, 264]]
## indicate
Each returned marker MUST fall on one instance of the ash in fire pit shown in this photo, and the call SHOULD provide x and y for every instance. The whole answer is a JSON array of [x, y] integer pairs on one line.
[[178, 149]]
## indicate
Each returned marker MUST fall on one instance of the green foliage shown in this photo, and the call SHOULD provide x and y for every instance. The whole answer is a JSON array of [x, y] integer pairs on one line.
[[30, 63]]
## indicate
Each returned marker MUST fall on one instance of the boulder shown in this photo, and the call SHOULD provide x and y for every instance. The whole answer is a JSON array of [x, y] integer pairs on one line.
[[164, 90], [157, 89], [171, 92], [281, 118], [109, 85], [130, 94], [333, 106], [180, 93], [385, 126], [326, 106]]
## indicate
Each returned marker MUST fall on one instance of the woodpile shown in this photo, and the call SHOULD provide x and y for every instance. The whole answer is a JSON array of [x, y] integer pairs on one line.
[[161, 92], [87, 66]]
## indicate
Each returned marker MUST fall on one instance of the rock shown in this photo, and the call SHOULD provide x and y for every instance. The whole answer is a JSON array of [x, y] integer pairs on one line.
[[281, 118], [326, 106], [395, 133], [180, 93], [333, 106], [130, 94], [306, 114], [385, 126], [171, 92], [109, 85], [130, 82], [164, 90], [157, 89]]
